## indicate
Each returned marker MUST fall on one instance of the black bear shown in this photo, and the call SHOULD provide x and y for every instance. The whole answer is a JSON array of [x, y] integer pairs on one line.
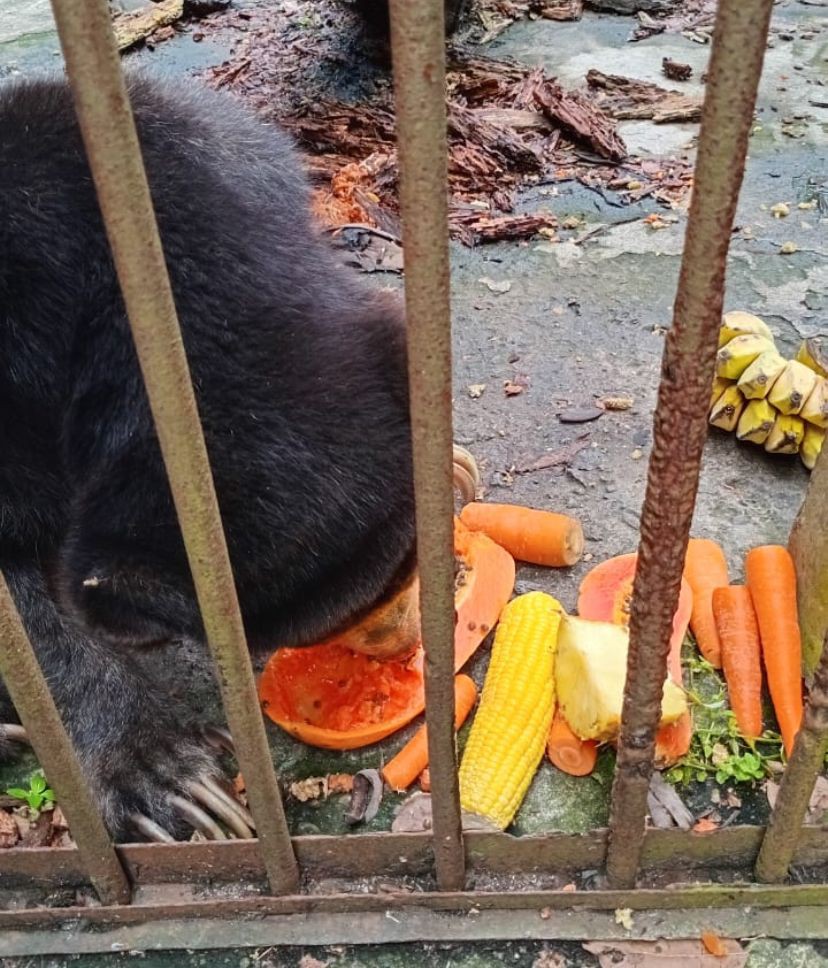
[[375, 13], [300, 376]]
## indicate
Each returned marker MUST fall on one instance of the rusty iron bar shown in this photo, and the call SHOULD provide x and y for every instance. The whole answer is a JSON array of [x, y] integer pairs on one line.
[[245, 910], [809, 547], [409, 856], [418, 48], [785, 827], [20, 671], [114, 153], [680, 422]]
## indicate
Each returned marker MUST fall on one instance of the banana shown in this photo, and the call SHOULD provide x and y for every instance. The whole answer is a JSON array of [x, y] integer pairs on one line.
[[756, 422], [719, 387], [814, 355], [811, 445], [759, 377], [727, 409], [792, 388], [786, 435], [815, 409], [742, 324], [736, 356]]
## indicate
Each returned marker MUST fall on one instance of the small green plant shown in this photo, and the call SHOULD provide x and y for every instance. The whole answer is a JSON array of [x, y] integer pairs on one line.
[[717, 750], [37, 797]]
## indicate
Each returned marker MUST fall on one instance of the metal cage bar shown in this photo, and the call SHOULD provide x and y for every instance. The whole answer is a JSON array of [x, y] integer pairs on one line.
[[785, 828], [418, 47], [20, 671], [809, 547], [115, 159], [680, 422]]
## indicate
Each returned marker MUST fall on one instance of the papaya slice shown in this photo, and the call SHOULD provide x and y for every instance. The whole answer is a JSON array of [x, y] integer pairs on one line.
[[329, 696], [605, 595]]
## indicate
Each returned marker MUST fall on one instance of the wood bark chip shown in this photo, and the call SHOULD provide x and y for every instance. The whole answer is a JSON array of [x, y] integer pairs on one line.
[[558, 458], [624, 98], [676, 71], [509, 127], [634, 6], [559, 9], [666, 807], [474, 227], [688, 17], [133, 28], [9, 834], [580, 118], [366, 797]]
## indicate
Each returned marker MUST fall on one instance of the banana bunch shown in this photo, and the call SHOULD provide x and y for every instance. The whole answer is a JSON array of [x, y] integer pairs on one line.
[[779, 404]]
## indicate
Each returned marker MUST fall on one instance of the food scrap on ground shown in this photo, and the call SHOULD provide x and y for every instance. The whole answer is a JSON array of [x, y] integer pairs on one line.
[[156, 22], [624, 98], [568, 671], [22, 825], [510, 127], [330, 696], [781, 405], [511, 728]]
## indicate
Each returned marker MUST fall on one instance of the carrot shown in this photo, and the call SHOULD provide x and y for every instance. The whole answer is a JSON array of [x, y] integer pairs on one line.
[[404, 768], [538, 537], [771, 578], [568, 752], [425, 781], [741, 656], [705, 568]]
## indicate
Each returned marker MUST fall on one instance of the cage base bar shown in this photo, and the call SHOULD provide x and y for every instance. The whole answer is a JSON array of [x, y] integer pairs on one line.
[[404, 855], [780, 912]]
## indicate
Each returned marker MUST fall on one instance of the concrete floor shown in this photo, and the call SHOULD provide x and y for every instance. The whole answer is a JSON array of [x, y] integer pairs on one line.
[[761, 953], [579, 322]]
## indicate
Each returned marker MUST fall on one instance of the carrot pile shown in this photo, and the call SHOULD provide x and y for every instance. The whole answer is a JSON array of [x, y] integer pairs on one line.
[[756, 624], [750, 631]]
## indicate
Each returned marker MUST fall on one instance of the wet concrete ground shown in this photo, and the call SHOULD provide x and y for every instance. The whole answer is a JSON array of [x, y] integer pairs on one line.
[[581, 321]]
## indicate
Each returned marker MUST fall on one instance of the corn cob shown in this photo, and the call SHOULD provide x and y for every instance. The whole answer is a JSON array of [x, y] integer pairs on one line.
[[508, 737]]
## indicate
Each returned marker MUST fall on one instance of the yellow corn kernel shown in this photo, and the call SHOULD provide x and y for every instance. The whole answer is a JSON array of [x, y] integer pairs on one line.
[[509, 733]]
